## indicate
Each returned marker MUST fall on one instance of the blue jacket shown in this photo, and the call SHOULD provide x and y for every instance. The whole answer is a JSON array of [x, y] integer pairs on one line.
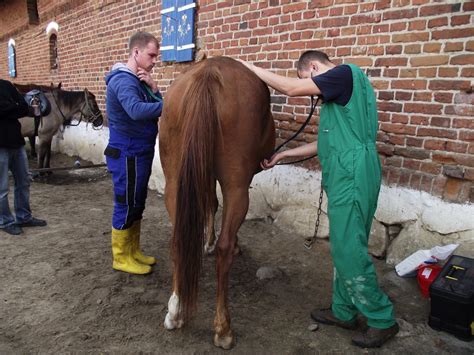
[[131, 111]]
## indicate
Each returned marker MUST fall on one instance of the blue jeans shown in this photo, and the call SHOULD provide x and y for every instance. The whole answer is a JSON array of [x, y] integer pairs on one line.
[[14, 160]]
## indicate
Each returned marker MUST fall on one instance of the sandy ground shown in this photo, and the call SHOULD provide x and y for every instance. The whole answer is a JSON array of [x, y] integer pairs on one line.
[[59, 294]]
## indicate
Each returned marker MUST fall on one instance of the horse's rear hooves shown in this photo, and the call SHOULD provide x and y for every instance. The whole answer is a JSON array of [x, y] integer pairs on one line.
[[171, 324], [225, 342]]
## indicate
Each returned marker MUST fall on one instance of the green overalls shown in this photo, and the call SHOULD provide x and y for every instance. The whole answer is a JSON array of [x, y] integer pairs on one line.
[[351, 178]]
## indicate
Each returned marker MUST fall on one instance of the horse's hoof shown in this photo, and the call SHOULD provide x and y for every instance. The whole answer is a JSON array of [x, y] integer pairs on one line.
[[171, 324], [226, 342], [209, 249]]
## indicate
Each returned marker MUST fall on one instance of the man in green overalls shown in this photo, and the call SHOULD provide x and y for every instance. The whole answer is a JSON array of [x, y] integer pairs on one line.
[[351, 178]]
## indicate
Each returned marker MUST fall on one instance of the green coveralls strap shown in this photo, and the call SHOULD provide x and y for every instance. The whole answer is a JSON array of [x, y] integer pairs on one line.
[[351, 178]]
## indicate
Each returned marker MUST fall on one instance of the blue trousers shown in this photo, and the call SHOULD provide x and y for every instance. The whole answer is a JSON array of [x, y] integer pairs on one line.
[[15, 160], [129, 160]]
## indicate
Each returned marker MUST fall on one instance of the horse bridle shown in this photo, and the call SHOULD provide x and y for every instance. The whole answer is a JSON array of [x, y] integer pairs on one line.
[[91, 118]]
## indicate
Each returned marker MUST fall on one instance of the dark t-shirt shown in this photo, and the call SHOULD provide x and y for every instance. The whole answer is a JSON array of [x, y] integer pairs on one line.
[[335, 84]]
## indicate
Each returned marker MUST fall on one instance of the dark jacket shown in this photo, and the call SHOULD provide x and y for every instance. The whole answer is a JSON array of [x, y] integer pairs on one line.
[[12, 107]]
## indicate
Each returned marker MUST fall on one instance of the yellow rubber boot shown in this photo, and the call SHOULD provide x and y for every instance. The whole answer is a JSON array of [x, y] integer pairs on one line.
[[122, 253], [136, 252]]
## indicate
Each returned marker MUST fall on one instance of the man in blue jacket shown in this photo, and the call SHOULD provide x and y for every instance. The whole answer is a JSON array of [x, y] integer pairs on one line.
[[133, 105]]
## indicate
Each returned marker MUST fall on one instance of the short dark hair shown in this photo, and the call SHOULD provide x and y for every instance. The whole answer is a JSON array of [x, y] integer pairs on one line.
[[309, 56], [140, 39]]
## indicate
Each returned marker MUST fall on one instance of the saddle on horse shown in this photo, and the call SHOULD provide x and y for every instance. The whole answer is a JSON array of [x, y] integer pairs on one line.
[[39, 104]]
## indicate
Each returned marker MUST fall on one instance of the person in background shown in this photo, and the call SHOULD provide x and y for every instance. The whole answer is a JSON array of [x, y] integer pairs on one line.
[[13, 158], [133, 105], [351, 174]]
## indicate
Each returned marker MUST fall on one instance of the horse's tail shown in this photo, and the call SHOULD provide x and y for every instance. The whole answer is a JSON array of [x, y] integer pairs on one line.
[[194, 199]]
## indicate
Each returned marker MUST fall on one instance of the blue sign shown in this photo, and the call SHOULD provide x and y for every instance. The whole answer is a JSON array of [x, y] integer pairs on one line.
[[177, 30]]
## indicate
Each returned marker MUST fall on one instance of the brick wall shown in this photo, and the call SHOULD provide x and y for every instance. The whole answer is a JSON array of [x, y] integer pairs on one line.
[[418, 55]]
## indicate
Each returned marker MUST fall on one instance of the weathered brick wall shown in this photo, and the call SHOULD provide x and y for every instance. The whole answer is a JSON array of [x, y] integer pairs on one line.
[[418, 55]]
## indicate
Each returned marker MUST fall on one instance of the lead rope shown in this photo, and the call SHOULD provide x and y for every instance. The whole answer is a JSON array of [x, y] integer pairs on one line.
[[310, 240]]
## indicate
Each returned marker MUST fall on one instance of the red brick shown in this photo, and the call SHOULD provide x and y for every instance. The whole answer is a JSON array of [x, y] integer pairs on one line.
[[441, 122], [438, 22], [432, 60], [467, 136], [460, 20], [448, 72], [396, 49], [403, 96], [414, 153], [436, 9], [449, 85], [411, 164], [435, 144], [412, 48], [399, 14], [463, 123], [452, 189], [419, 120], [399, 118], [411, 37], [460, 110], [450, 34], [423, 96], [466, 59], [398, 128], [335, 22], [409, 84], [398, 26], [423, 108], [390, 106], [391, 62], [456, 147], [436, 132], [469, 174], [432, 47], [427, 72], [414, 142], [453, 46], [417, 25], [467, 72]]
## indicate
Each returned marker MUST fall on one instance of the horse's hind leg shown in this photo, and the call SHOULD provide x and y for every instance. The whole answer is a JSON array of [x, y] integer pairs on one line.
[[211, 233], [236, 202], [172, 320], [48, 157], [32, 140]]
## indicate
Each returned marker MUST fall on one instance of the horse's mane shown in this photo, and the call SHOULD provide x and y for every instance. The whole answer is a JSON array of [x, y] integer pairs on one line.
[[24, 88], [68, 98]]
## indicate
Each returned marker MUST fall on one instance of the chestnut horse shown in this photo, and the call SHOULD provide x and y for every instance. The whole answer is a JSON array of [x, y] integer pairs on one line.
[[216, 126]]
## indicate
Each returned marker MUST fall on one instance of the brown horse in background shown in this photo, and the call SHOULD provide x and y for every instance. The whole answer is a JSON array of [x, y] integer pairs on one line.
[[216, 126]]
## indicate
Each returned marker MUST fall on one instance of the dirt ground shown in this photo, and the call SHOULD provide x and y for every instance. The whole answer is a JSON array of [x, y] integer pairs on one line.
[[59, 294]]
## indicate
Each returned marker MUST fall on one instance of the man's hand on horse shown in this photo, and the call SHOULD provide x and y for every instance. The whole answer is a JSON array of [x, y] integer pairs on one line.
[[145, 76], [270, 163]]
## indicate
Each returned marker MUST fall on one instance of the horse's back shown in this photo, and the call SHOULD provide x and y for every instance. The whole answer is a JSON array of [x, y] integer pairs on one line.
[[245, 132]]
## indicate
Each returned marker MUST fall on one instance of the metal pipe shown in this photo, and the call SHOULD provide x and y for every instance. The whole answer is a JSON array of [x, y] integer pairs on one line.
[[68, 168]]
